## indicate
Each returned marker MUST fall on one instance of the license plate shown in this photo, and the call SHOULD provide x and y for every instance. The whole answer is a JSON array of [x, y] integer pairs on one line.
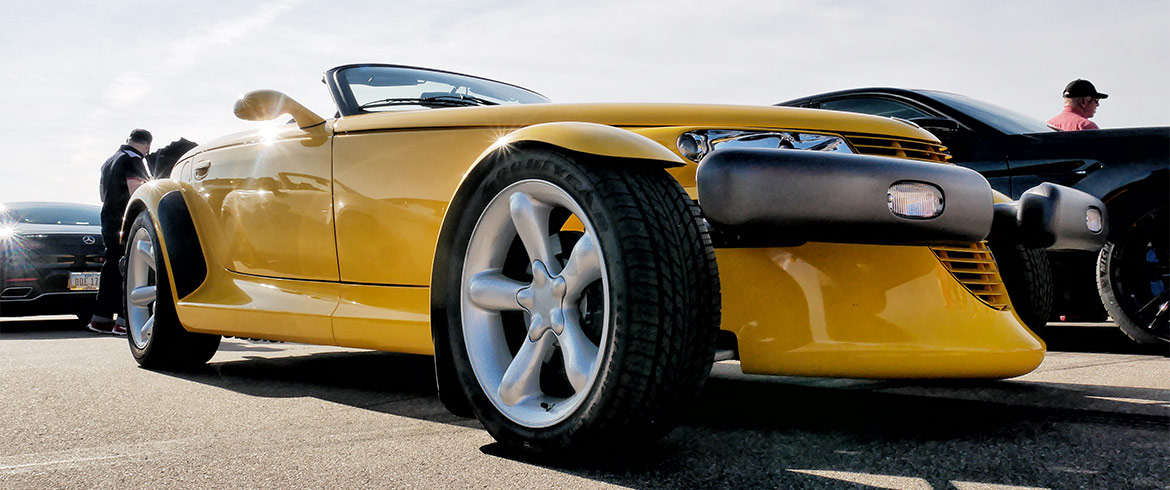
[[84, 281]]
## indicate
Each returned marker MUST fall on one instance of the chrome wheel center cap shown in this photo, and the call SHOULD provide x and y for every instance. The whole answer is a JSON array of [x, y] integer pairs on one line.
[[543, 300]]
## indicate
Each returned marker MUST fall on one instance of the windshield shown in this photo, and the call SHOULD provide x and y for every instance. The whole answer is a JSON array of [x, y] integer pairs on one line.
[[50, 215], [386, 88], [1005, 120]]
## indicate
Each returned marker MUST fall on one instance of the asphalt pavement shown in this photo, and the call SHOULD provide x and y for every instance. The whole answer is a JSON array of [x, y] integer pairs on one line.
[[76, 411]]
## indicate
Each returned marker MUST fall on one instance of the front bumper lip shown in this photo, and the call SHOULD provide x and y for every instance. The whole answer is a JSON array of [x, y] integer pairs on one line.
[[767, 197]]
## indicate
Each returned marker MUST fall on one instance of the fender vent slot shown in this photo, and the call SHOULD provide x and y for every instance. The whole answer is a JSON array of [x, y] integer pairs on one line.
[[899, 148], [974, 267]]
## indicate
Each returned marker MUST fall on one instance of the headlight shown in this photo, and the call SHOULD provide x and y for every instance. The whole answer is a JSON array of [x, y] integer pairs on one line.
[[697, 144]]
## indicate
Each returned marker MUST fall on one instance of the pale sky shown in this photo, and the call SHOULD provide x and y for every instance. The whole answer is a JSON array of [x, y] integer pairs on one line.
[[78, 76]]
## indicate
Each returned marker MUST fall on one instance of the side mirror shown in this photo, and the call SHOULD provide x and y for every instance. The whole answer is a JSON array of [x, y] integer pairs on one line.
[[263, 105]]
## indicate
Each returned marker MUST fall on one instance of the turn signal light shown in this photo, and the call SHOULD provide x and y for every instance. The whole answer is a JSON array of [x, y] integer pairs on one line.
[[1093, 220], [916, 200]]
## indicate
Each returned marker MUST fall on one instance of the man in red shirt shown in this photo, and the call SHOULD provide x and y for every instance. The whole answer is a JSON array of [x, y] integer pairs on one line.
[[1080, 103]]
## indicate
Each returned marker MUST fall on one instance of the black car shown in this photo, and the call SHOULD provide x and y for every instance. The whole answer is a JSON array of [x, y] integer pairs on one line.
[[50, 258], [1128, 169]]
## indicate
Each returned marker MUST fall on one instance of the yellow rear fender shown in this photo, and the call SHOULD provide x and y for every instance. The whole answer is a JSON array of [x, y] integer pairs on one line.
[[146, 198], [179, 244]]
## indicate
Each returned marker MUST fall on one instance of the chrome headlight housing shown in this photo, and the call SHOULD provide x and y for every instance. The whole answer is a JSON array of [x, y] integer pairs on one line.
[[695, 145]]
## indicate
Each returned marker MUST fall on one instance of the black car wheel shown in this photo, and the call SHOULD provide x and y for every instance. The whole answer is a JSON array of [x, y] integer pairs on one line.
[[1132, 278], [1027, 276], [564, 337], [157, 339]]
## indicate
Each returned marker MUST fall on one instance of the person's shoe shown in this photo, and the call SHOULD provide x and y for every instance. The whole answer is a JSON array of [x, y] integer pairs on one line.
[[118, 330], [102, 327]]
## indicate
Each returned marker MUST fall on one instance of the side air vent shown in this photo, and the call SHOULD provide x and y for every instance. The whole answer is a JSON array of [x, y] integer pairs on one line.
[[975, 268]]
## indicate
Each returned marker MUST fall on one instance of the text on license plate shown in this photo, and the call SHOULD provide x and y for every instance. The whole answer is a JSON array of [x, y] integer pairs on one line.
[[84, 281]]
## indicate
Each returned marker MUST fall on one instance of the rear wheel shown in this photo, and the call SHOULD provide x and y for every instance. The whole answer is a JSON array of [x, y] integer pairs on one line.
[[157, 339], [1132, 278], [588, 302]]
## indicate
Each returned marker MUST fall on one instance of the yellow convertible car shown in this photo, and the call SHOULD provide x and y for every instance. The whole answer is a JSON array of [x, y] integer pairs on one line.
[[576, 269]]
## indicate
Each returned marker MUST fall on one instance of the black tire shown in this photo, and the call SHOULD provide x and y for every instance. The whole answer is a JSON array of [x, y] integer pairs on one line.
[[1132, 272], [168, 345], [663, 312], [1027, 276]]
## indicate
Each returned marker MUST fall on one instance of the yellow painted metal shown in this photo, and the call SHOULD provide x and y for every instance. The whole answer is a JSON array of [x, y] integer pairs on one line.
[[266, 203], [594, 139], [391, 191], [865, 311], [633, 116], [229, 303], [234, 304], [385, 318]]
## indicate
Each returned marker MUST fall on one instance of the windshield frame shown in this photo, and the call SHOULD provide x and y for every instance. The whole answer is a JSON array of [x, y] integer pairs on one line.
[[347, 104], [988, 114]]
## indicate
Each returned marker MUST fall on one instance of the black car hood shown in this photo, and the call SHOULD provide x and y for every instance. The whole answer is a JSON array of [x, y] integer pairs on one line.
[[1100, 144]]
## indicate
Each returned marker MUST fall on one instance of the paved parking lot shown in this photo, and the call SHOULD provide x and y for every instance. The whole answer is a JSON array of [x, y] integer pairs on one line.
[[78, 412]]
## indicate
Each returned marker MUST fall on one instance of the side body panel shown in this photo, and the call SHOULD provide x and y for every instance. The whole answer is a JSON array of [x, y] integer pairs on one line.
[[267, 204], [390, 194], [262, 208]]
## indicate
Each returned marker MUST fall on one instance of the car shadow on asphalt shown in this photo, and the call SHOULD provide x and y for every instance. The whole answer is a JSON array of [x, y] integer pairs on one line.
[[43, 329], [399, 384], [746, 433], [772, 432]]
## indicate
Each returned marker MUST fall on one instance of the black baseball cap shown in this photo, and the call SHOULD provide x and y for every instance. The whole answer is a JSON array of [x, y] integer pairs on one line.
[[141, 136], [1082, 88]]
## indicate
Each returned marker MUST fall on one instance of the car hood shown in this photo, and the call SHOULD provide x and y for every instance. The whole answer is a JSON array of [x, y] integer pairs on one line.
[[620, 115], [1099, 144], [36, 229]]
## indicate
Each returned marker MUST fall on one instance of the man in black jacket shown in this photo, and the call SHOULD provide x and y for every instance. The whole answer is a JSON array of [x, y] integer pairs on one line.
[[121, 175]]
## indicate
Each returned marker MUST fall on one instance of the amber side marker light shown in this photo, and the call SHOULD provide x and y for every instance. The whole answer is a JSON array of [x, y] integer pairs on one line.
[[915, 200], [1093, 220]]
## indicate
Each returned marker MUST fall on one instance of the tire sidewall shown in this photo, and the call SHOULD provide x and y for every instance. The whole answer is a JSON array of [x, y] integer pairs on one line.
[[1108, 276], [163, 305]]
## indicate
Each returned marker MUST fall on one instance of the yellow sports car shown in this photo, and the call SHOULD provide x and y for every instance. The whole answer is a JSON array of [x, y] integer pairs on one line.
[[576, 269]]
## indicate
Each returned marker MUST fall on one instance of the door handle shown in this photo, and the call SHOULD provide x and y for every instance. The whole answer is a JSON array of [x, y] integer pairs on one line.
[[201, 169]]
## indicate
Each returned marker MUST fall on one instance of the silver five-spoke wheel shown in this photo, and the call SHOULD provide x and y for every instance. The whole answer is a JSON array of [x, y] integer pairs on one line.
[[539, 378], [141, 289]]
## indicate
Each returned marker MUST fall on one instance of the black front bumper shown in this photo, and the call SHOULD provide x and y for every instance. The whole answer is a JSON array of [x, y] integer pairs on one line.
[[768, 197], [62, 303]]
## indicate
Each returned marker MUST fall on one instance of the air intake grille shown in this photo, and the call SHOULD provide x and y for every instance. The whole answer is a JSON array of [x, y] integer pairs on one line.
[[900, 148], [974, 266]]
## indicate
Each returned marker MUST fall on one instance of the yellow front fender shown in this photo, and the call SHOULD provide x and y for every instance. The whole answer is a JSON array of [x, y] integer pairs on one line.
[[592, 139]]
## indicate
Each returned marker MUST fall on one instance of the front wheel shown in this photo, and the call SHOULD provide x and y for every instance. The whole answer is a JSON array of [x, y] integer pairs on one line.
[[588, 302], [1027, 276], [157, 339], [1132, 278]]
